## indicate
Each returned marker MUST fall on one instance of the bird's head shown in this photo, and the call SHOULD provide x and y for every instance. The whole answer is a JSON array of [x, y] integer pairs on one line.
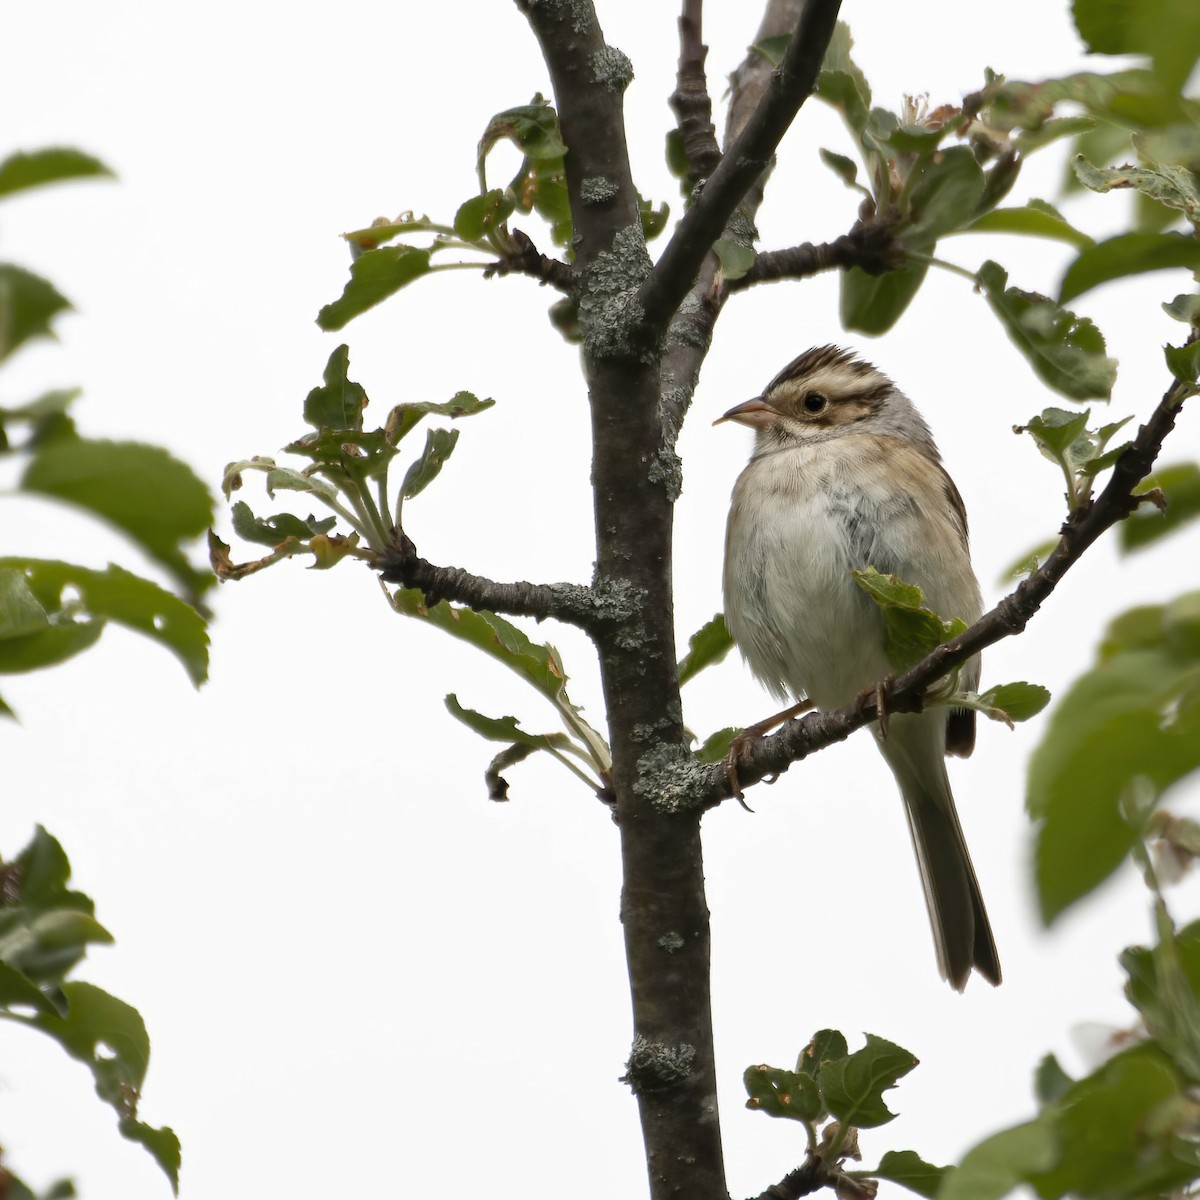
[[827, 393]]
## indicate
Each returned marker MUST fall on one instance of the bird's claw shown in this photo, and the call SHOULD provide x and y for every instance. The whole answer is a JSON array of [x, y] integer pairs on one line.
[[877, 695]]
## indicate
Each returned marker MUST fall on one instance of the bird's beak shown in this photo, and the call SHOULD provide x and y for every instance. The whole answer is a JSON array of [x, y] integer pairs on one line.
[[756, 413]]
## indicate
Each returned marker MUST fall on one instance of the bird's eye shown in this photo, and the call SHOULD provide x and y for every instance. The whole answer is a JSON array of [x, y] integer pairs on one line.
[[814, 402]]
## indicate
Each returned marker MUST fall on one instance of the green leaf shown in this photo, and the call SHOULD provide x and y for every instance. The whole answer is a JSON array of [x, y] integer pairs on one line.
[[1018, 701], [1166, 30], [945, 196], [1180, 486], [1003, 1162], [773, 48], [1172, 186], [504, 729], [404, 417], [374, 276], [853, 1087], [911, 630], [439, 443], [1184, 308], [1057, 433], [707, 646], [909, 1170], [339, 404], [1184, 362], [51, 646], [28, 305], [480, 215], [846, 169], [533, 128], [1127, 723], [735, 258], [1035, 219], [1127, 254], [841, 83], [654, 219], [1162, 986], [109, 1036], [271, 531], [117, 595], [20, 612], [1050, 1081], [18, 991], [826, 1045], [782, 1093], [53, 165], [383, 231], [872, 304], [716, 746], [1066, 352], [1117, 1134], [144, 491], [538, 665]]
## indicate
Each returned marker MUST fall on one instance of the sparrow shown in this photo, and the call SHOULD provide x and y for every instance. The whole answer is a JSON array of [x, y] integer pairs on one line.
[[844, 476]]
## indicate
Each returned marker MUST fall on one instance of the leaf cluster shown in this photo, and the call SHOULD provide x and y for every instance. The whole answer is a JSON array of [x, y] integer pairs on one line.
[[50, 611], [45, 931]]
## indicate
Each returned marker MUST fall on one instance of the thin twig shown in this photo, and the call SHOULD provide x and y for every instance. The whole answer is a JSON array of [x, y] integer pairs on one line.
[[690, 101], [791, 84], [869, 245], [526, 259]]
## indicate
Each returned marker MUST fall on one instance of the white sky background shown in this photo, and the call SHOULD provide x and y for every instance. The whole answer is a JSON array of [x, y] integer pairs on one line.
[[360, 977]]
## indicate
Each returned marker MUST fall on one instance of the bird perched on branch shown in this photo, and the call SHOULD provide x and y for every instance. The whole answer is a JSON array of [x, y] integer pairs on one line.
[[845, 476]]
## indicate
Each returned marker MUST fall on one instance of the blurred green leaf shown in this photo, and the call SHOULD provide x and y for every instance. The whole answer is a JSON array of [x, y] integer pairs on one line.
[[708, 645], [144, 491], [1185, 308], [853, 1087], [53, 645], [1035, 219], [109, 1037], [340, 402], [826, 1045], [383, 231], [532, 128], [1002, 1162], [374, 276], [28, 306], [20, 612], [1164, 986], [1066, 352], [53, 165], [1050, 1081], [735, 259], [944, 197], [846, 169], [1127, 254], [1171, 186], [909, 1170], [1130, 721], [1106, 1129], [872, 304], [439, 443], [404, 417], [117, 595], [504, 729], [1180, 486], [1166, 30]]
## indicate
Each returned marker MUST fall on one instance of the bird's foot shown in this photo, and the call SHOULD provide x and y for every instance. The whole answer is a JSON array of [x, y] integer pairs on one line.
[[877, 695], [744, 740]]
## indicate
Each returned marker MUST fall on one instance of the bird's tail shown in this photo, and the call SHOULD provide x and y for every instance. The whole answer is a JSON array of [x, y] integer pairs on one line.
[[915, 750]]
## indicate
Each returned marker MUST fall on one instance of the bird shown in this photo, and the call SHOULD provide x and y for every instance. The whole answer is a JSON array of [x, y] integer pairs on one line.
[[844, 476]]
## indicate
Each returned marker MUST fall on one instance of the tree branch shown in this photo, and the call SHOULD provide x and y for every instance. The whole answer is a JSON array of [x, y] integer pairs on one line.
[[525, 259], [790, 85], [571, 603], [690, 101], [868, 245], [905, 693]]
